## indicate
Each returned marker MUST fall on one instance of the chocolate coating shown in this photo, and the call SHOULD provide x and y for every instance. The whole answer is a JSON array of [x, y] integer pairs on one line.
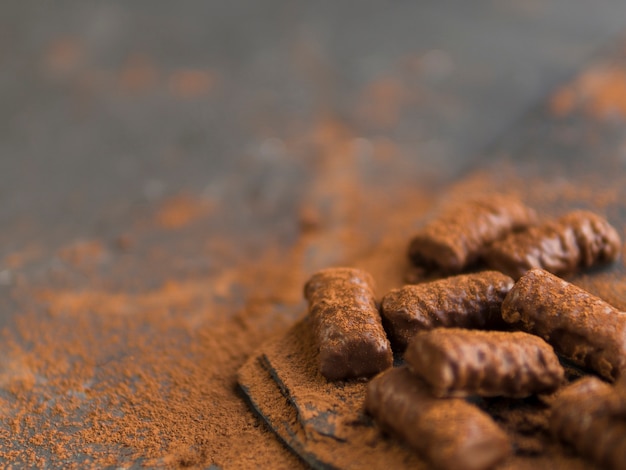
[[577, 240], [349, 332], [466, 301], [580, 326], [449, 433], [457, 362], [588, 415], [458, 236]]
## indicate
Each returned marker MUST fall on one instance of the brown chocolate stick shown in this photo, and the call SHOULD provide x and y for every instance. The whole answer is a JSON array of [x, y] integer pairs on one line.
[[577, 240], [466, 301], [457, 237], [589, 416], [458, 362], [582, 327], [352, 341], [450, 433]]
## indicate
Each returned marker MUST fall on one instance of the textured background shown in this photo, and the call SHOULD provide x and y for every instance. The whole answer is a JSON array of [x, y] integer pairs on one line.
[[108, 106]]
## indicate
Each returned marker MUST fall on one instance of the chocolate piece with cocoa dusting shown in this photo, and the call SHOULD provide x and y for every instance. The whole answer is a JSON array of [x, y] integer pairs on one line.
[[450, 433], [457, 362], [588, 415], [321, 421], [324, 422], [351, 339], [458, 236], [577, 240], [466, 301], [582, 327]]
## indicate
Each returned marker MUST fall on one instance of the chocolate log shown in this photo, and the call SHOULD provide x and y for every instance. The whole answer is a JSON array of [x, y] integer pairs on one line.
[[580, 326], [457, 362], [449, 433], [577, 240], [458, 236], [588, 415], [466, 301], [351, 339]]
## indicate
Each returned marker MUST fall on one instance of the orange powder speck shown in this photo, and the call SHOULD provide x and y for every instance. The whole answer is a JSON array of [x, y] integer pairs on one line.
[[62, 55], [608, 92], [563, 101], [382, 101], [600, 91], [83, 251], [20, 258], [138, 74], [182, 210], [191, 83], [384, 149]]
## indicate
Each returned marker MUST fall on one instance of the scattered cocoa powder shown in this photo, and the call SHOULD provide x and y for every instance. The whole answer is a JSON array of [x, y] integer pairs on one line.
[[138, 74], [600, 92], [181, 210], [129, 357], [191, 83], [299, 403], [114, 357]]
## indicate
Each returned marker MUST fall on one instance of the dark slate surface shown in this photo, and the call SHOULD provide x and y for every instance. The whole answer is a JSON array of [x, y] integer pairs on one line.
[[84, 142]]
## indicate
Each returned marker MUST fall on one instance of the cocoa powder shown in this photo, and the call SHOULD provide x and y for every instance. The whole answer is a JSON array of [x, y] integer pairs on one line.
[[121, 357], [126, 354]]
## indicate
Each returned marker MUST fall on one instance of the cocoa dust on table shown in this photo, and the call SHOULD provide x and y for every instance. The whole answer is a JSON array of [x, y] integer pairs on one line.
[[124, 350], [123, 354]]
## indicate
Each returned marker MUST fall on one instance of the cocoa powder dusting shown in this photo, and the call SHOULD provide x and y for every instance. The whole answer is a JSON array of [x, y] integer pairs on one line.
[[126, 354], [124, 351], [106, 380], [101, 372]]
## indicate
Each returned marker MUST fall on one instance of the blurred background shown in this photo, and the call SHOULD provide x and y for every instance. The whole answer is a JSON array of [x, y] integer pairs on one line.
[[109, 106]]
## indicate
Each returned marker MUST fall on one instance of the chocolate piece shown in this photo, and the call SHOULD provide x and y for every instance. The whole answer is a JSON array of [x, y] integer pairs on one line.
[[588, 415], [466, 301], [450, 433], [352, 341], [580, 326], [457, 362], [577, 240], [457, 237], [620, 390]]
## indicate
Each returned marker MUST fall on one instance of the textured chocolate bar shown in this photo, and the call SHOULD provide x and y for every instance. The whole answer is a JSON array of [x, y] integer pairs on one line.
[[458, 236], [466, 301], [577, 240], [580, 326], [351, 339], [458, 362], [588, 415], [449, 433]]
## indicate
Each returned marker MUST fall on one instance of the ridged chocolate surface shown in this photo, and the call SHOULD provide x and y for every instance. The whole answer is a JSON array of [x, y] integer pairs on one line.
[[588, 415], [450, 433], [458, 362], [457, 237], [348, 328], [466, 301], [577, 240], [580, 326]]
